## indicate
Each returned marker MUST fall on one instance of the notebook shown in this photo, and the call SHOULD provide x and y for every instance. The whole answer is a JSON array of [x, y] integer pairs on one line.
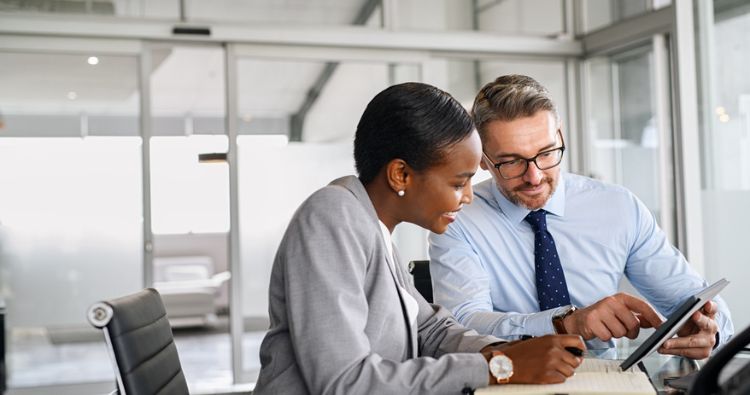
[[674, 323], [594, 376]]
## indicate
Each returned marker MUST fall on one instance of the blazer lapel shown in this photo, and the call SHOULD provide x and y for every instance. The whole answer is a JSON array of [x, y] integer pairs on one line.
[[353, 184]]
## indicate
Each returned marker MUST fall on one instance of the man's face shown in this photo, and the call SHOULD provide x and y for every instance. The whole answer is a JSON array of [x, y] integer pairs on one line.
[[523, 138]]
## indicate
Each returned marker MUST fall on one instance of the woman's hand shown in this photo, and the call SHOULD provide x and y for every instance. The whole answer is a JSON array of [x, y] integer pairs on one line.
[[541, 360]]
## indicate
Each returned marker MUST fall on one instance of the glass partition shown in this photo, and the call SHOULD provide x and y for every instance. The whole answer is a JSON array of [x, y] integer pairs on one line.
[[189, 185], [71, 226], [725, 141], [622, 124]]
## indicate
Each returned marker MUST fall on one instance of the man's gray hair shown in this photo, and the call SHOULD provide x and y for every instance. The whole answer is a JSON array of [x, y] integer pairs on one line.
[[510, 97]]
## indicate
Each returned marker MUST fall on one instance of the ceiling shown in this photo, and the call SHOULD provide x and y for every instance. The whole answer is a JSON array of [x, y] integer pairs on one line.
[[185, 81]]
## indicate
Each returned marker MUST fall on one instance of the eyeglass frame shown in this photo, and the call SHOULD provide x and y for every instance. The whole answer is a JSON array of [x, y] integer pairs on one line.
[[532, 159]]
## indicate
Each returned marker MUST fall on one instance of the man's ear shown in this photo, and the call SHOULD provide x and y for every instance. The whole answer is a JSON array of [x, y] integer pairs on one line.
[[483, 164], [398, 175]]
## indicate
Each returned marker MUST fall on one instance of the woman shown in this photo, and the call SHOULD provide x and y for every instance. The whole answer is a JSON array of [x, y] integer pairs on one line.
[[344, 317]]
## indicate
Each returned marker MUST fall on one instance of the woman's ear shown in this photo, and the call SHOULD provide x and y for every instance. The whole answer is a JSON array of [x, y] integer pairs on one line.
[[398, 175]]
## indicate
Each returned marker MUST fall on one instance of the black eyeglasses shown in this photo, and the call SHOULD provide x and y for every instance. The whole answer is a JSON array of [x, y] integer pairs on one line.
[[517, 167]]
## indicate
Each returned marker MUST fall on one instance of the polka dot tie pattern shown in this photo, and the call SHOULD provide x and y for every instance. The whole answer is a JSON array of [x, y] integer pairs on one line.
[[551, 288]]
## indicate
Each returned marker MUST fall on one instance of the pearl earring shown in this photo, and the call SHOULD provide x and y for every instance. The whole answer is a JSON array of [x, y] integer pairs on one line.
[[400, 193]]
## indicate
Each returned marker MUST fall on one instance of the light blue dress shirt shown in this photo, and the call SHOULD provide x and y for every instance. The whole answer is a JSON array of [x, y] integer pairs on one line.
[[483, 266]]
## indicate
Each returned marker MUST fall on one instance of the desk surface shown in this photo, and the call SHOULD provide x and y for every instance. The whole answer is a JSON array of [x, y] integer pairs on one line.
[[660, 367]]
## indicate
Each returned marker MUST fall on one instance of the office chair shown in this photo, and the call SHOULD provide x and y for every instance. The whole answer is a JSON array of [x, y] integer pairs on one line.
[[2, 346], [140, 344], [422, 279], [707, 380]]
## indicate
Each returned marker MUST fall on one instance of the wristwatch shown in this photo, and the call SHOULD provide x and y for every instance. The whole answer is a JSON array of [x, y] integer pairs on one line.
[[557, 319], [501, 367]]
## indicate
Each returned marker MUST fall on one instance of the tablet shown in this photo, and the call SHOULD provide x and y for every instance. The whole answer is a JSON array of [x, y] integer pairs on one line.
[[674, 323]]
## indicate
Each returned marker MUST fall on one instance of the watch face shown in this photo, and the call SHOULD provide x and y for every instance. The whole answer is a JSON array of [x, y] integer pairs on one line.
[[501, 367]]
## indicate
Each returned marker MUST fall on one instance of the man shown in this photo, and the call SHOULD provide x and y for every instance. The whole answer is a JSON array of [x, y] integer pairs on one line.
[[536, 243]]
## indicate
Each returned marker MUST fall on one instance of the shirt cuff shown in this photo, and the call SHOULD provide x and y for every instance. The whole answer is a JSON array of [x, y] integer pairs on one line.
[[539, 324]]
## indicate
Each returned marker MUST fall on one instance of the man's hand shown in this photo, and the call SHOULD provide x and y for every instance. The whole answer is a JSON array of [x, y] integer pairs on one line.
[[541, 360], [612, 317], [697, 337]]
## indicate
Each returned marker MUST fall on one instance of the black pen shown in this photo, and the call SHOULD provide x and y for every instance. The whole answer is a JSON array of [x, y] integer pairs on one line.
[[575, 351]]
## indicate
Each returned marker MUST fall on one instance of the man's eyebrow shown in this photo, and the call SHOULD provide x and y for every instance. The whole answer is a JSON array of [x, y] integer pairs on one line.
[[546, 147]]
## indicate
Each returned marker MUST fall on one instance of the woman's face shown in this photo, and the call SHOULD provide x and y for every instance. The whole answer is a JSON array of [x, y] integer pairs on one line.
[[438, 193]]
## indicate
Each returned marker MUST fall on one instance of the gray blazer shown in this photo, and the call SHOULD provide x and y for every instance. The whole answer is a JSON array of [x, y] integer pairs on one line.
[[338, 321]]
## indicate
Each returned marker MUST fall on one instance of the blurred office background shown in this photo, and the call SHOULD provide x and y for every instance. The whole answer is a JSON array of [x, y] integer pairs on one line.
[[167, 143]]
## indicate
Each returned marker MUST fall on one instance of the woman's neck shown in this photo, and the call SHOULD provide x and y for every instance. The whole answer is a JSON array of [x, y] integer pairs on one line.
[[385, 202]]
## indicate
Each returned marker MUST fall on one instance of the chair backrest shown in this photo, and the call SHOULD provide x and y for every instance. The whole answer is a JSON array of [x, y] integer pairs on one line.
[[2, 346], [141, 345], [707, 380], [422, 280]]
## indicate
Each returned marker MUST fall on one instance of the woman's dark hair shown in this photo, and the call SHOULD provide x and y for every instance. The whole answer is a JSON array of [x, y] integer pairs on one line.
[[412, 121]]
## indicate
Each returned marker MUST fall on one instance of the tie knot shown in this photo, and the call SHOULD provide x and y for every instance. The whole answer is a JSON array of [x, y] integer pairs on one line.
[[537, 219]]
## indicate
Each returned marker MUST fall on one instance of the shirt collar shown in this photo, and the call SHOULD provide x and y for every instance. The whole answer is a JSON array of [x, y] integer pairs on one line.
[[386, 237], [555, 205]]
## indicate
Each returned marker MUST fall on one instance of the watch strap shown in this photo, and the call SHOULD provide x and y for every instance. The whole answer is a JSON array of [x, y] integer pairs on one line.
[[559, 324]]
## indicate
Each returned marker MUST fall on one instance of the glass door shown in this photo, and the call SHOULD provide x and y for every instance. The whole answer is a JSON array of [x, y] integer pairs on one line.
[[188, 192], [725, 147]]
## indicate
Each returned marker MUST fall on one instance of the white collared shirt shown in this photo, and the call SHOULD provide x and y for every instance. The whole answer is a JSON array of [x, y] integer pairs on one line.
[[412, 308]]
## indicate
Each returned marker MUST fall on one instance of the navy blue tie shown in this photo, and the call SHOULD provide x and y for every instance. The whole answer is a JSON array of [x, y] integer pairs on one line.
[[551, 288]]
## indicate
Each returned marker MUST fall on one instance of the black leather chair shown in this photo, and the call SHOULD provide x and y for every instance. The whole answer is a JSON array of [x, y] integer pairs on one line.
[[2, 346], [706, 381], [422, 279], [140, 344]]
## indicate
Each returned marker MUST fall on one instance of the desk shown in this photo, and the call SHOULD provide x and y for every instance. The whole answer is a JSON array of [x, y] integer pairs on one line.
[[660, 367]]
